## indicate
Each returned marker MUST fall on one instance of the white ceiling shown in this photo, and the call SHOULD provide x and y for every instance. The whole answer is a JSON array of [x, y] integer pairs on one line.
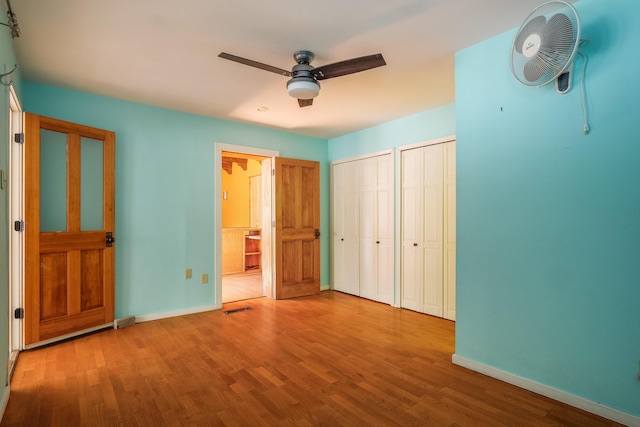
[[164, 53]]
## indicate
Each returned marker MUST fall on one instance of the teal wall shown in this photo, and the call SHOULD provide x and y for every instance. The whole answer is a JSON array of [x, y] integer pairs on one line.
[[548, 219], [419, 127], [7, 62], [165, 192]]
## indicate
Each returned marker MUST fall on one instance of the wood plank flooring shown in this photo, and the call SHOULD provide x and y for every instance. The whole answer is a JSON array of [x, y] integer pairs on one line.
[[238, 287], [330, 360]]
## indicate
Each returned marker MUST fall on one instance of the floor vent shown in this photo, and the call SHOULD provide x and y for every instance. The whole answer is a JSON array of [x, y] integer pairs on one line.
[[236, 310]]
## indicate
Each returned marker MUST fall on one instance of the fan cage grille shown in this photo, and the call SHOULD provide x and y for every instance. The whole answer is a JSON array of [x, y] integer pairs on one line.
[[561, 37]]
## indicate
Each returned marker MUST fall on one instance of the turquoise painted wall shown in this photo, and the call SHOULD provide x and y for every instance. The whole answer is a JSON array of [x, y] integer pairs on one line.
[[419, 127], [164, 192], [548, 219], [7, 62]]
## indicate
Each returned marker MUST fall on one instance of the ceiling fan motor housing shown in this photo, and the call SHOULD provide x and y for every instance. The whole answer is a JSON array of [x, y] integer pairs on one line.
[[303, 85]]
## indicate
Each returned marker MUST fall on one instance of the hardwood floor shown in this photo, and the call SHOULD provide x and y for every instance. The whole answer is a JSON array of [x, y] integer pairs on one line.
[[238, 287], [330, 359]]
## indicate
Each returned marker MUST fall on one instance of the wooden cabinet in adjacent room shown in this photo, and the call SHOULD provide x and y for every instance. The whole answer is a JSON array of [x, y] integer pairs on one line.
[[362, 227]]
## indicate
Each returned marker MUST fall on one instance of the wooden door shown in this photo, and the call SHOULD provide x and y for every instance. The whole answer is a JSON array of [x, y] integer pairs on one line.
[[297, 243], [69, 207]]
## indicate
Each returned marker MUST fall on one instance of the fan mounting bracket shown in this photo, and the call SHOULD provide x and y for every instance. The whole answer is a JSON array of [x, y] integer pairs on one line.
[[303, 56]]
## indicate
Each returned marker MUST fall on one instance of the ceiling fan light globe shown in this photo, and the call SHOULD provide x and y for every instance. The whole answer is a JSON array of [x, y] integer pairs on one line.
[[303, 89]]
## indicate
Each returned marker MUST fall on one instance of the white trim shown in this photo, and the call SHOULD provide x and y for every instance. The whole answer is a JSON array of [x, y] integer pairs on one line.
[[16, 213], [442, 140], [175, 313], [67, 336], [363, 156], [217, 194], [5, 401], [561, 396]]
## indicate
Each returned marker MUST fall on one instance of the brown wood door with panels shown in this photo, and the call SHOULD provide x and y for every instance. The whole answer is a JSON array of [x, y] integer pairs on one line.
[[297, 227], [69, 225]]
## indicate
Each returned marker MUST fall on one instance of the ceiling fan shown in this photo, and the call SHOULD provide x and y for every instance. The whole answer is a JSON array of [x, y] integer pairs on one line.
[[304, 84]]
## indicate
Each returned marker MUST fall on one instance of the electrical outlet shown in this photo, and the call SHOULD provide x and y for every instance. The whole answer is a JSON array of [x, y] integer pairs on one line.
[[187, 273], [205, 278]]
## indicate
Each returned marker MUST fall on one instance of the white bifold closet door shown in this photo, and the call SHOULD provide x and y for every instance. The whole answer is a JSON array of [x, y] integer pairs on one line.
[[345, 247], [428, 230], [362, 248]]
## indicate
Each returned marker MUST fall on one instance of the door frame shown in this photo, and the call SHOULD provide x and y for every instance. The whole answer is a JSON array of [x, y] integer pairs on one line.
[[217, 195], [16, 239]]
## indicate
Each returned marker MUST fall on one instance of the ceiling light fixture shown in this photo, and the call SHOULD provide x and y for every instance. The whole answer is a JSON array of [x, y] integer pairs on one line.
[[303, 87]]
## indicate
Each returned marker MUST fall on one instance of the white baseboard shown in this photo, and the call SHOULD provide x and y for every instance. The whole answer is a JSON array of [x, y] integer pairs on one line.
[[561, 396], [175, 313], [5, 401]]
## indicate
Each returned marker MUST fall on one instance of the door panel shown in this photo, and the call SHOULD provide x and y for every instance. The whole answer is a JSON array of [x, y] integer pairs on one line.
[[411, 229], [69, 204], [433, 230], [297, 252], [384, 210]]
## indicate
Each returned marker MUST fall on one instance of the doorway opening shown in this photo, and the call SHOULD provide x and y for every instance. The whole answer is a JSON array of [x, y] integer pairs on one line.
[[243, 223], [242, 206]]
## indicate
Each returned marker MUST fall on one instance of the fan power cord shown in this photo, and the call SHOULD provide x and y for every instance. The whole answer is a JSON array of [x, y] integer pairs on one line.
[[586, 127]]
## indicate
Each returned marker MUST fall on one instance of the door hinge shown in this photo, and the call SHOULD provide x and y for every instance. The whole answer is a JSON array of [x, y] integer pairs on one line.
[[19, 138], [18, 225], [273, 172], [109, 240], [18, 313]]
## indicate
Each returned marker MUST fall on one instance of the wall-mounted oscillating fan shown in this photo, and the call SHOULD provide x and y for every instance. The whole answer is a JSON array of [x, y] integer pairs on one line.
[[545, 46]]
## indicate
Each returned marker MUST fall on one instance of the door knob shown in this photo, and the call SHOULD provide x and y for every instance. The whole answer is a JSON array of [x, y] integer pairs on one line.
[[415, 244], [109, 240]]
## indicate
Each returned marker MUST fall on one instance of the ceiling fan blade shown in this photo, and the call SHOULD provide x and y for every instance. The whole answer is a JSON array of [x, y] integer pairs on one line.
[[349, 66], [255, 64], [305, 102]]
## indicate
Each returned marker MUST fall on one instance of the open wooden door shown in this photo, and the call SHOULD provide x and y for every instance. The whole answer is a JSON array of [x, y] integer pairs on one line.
[[69, 224], [297, 230]]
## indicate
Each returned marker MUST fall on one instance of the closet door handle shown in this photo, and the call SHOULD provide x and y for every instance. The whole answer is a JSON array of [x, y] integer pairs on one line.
[[377, 242], [342, 240], [415, 244]]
